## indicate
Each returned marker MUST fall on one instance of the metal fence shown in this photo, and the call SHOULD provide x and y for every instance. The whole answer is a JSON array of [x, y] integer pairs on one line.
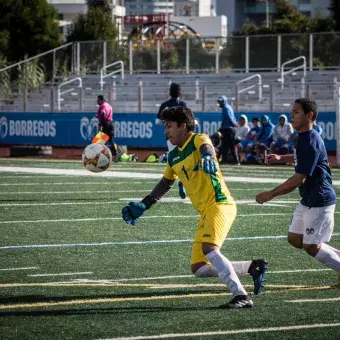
[[192, 55]]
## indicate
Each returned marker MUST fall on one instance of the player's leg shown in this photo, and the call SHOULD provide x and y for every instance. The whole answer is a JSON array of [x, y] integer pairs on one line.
[[108, 128], [296, 228], [319, 224], [212, 230], [181, 190], [218, 224]]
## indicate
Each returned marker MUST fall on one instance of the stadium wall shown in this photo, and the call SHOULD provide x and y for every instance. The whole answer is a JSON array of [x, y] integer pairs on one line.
[[132, 129]]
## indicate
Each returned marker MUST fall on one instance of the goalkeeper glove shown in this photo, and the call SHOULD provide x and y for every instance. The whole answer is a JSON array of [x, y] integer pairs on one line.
[[132, 212], [207, 164]]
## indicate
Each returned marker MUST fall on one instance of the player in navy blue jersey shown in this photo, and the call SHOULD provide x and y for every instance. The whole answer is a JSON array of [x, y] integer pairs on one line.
[[175, 93], [313, 219]]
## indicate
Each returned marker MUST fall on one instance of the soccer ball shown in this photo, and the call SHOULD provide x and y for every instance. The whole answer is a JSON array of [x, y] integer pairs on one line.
[[97, 157]]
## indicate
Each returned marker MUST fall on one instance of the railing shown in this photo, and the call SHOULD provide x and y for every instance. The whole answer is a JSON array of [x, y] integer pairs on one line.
[[257, 54], [258, 85], [59, 99], [37, 57], [290, 71], [103, 70]]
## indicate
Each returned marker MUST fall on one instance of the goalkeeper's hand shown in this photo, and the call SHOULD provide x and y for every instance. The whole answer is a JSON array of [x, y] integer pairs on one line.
[[132, 212], [207, 164]]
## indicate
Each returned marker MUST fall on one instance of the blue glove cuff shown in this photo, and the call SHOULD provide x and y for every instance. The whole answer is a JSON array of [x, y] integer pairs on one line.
[[208, 154]]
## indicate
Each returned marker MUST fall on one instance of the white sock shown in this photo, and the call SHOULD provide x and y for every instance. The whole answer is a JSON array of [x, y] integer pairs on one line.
[[328, 257], [207, 271], [337, 251], [226, 272], [241, 268]]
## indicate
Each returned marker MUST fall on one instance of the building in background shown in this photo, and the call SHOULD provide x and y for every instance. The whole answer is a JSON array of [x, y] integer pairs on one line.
[[206, 27], [257, 11], [69, 9], [198, 8], [149, 7]]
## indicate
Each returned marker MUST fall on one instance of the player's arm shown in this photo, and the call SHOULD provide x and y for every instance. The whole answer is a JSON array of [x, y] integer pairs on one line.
[[134, 210], [163, 186], [208, 161], [273, 158], [289, 185], [158, 120]]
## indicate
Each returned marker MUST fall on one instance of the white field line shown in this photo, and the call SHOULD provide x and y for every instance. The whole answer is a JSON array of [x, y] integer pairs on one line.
[[60, 274], [13, 269], [122, 200], [117, 174], [129, 243], [119, 218], [189, 276], [57, 204], [72, 192], [142, 218], [134, 175], [73, 183], [314, 300], [229, 332]]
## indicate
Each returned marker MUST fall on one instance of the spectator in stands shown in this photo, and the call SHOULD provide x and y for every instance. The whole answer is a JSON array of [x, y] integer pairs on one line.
[[282, 134], [265, 137], [248, 144], [228, 125], [241, 132], [175, 93], [105, 118], [216, 139]]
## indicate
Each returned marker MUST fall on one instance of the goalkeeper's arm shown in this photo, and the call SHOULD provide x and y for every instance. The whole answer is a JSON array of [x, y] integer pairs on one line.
[[163, 186], [207, 149]]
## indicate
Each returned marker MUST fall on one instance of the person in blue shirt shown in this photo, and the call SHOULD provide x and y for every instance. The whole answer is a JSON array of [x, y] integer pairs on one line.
[[175, 93], [313, 219], [317, 128], [228, 124], [265, 137], [248, 144]]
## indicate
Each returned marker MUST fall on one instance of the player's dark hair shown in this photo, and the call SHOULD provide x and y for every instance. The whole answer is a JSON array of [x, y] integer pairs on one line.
[[180, 115], [255, 119], [308, 105], [101, 97], [175, 90]]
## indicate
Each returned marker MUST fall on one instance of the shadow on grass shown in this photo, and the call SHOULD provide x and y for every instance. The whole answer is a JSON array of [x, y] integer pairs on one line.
[[113, 310], [38, 299]]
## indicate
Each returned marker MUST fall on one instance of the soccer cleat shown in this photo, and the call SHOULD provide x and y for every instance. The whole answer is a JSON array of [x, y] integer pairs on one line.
[[239, 301], [182, 192], [257, 270]]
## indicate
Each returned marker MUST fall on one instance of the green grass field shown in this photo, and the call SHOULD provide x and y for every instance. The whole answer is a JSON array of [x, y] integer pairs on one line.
[[70, 268]]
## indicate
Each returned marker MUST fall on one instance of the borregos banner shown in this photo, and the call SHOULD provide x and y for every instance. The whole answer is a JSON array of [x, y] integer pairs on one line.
[[131, 129]]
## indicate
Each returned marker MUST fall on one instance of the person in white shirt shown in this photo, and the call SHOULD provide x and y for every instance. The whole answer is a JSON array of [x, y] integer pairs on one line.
[[283, 132]]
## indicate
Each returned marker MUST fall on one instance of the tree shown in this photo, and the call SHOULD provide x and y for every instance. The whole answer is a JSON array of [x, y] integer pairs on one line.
[[27, 27], [104, 4], [287, 20], [335, 9], [96, 24]]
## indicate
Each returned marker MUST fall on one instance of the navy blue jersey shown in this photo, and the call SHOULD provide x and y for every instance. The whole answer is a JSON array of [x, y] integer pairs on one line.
[[311, 160], [171, 103]]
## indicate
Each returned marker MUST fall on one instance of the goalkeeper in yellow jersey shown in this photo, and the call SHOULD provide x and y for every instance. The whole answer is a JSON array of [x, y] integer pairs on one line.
[[194, 162]]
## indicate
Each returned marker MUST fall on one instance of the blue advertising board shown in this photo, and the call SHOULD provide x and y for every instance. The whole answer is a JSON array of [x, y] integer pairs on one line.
[[131, 129]]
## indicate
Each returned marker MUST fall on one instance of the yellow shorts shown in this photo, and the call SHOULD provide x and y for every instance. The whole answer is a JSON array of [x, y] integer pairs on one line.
[[213, 227]]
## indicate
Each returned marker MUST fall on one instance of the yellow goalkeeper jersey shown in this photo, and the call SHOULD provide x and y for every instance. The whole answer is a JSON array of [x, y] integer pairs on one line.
[[203, 189]]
